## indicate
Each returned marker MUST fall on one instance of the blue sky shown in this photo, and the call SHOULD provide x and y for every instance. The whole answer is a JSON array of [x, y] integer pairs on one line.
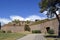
[[19, 7], [25, 9]]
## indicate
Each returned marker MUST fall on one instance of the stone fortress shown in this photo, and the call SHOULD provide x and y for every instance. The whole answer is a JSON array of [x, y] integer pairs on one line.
[[19, 27]]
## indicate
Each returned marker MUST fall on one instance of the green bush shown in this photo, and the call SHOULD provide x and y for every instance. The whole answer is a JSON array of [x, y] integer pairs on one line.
[[1, 31], [36, 31], [51, 31], [27, 28], [4, 31], [9, 32]]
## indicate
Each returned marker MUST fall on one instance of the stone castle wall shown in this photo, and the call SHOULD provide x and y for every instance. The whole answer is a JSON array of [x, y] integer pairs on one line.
[[52, 24], [13, 28]]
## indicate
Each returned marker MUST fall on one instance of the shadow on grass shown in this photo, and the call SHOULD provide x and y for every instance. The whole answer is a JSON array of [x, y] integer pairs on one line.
[[52, 36]]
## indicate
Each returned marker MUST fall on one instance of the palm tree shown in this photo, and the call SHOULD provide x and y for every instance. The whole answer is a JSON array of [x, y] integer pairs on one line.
[[51, 6]]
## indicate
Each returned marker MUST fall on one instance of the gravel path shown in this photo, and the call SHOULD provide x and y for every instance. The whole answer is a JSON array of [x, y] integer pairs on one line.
[[33, 37]]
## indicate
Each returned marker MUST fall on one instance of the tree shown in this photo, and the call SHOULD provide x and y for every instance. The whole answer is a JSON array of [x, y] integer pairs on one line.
[[27, 28], [27, 22], [16, 21], [51, 6]]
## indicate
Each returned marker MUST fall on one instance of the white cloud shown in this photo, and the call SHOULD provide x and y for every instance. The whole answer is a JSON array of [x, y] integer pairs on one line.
[[16, 17], [45, 12], [4, 20], [57, 12], [30, 18], [34, 17]]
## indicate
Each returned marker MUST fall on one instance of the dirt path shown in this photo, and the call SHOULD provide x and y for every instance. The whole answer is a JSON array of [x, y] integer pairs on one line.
[[33, 37]]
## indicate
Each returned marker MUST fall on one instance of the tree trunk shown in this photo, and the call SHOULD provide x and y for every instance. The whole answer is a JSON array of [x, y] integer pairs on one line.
[[59, 24], [0, 26], [59, 29]]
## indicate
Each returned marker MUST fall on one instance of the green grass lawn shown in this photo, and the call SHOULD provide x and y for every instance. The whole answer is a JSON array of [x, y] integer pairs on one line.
[[53, 38], [11, 36]]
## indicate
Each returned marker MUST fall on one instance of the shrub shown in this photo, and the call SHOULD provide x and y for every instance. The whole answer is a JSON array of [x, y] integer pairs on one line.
[[27, 28], [51, 31], [36, 31], [9, 32], [4, 31], [1, 31]]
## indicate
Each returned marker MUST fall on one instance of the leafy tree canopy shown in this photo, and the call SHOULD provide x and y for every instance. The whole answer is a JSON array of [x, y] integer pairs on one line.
[[49, 5], [16, 21], [45, 4]]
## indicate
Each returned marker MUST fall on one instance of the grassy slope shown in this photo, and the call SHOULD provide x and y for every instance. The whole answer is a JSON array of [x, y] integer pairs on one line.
[[41, 21], [10, 36]]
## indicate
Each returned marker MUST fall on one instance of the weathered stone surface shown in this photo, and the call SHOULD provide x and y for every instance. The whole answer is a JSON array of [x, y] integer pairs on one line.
[[52, 24], [13, 28]]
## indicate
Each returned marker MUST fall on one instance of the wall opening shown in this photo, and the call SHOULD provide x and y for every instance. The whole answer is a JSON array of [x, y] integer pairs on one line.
[[47, 29]]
